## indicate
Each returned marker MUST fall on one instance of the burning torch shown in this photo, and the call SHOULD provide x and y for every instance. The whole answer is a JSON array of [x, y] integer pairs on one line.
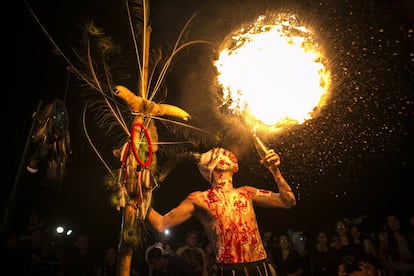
[[261, 148]]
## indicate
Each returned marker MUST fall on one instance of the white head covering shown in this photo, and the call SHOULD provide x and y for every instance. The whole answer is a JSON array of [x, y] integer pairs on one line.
[[155, 245], [208, 162]]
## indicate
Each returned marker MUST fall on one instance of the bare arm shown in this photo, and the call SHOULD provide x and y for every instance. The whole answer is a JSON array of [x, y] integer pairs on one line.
[[285, 198], [176, 216]]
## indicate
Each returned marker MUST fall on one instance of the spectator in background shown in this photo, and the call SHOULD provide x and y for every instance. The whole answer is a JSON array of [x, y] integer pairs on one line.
[[40, 255], [363, 243], [299, 243], [288, 261], [160, 242], [194, 254], [396, 248], [346, 246], [80, 260], [108, 267], [322, 257], [358, 266], [161, 263]]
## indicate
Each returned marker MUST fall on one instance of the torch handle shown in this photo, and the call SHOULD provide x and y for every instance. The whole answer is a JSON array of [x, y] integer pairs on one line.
[[260, 147]]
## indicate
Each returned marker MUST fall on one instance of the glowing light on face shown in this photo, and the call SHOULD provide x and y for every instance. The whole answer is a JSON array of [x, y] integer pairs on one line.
[[272, 73]]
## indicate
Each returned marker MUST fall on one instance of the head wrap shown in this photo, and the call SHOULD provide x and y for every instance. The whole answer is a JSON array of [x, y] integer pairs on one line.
[[155, 246], [208, 162]]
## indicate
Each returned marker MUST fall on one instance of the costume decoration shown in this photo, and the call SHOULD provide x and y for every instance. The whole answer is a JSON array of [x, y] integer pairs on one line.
[[51, 141], [171, 163]]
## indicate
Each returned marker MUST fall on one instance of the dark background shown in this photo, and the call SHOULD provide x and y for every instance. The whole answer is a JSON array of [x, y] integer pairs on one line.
[[355, 159]]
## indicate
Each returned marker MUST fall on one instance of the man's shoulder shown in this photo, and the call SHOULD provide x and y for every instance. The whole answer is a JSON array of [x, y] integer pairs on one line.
[[195, 195], [247, 188], [199, 192]]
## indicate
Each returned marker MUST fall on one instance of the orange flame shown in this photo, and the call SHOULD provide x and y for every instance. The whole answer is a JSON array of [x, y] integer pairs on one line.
[[273, 74]]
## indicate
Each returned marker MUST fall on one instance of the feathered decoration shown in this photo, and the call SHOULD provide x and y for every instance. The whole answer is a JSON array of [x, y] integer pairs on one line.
[[171, 163], [50, 141]]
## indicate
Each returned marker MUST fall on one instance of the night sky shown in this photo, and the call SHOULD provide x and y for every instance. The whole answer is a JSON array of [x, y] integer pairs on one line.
[[355, 158]]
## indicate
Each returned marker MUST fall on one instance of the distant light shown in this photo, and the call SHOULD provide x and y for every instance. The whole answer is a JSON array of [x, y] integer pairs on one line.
[[166, 232], [60, 229]]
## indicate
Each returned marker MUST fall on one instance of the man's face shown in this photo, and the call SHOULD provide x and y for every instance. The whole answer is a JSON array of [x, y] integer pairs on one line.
[[227, 161], [341, 228], [393, 223], [192, 240], [284, 242]]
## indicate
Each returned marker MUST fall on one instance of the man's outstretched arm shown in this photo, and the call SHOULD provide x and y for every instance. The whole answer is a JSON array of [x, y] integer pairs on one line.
[[176, 216]]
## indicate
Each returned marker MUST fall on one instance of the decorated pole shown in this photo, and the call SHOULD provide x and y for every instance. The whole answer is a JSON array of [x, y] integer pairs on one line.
[[131, 211], [133, 182]]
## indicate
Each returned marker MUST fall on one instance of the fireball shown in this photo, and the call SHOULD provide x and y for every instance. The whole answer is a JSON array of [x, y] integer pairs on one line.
[[272, 73]]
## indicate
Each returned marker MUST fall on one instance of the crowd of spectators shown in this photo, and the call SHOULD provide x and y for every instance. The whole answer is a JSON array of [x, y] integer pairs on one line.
[[348, 248]]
